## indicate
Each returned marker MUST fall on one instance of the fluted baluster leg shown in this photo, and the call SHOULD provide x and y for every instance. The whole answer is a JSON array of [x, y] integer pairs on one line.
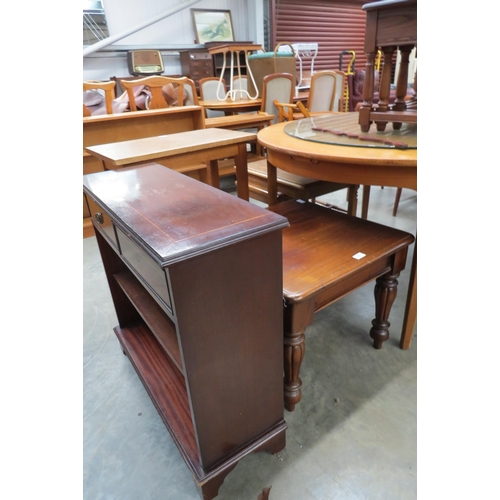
[[295, 348], [386, 289]]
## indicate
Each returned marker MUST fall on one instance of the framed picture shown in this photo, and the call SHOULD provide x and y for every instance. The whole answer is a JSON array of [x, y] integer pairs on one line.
[[213, 25]]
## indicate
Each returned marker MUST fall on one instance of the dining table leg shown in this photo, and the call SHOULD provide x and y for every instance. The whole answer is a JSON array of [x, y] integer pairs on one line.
[[214, 174], [272, 184], [240, 161], [410, 316]]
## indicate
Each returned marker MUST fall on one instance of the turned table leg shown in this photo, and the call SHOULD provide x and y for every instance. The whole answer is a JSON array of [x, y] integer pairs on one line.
[[386, 289], [402, 82], [294, 350], [297, 316]]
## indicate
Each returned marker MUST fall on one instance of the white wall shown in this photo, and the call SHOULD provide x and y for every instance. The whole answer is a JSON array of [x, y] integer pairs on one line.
[[122, 16]]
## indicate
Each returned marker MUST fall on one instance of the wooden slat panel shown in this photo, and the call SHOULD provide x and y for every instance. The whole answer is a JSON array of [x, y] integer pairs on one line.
[[336, 26]]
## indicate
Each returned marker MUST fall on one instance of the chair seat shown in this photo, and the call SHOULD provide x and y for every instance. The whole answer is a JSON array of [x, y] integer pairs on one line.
[[290, 185]]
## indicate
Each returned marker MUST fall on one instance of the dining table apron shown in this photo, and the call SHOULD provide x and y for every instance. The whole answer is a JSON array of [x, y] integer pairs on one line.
[[345, 164]]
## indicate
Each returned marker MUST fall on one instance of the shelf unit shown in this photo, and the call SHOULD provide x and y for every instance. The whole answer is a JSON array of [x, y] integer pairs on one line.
[[195, 275]]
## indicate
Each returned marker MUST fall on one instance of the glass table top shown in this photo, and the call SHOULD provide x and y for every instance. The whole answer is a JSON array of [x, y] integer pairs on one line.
[[342, 129]]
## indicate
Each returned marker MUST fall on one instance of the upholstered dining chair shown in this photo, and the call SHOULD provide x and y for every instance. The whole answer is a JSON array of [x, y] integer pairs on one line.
[[280, 87], [211, 88], [165, 91], [325, 96], [109, 94]]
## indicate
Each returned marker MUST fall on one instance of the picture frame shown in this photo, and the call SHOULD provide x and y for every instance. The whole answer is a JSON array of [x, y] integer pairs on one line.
[[212, 25]]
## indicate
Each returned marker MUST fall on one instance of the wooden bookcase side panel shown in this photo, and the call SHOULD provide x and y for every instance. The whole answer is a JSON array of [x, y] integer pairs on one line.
[[232, 344]]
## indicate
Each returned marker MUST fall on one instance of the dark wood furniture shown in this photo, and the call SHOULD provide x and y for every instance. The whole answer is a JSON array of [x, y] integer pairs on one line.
[[197, 64], [195, 275], [326, 255], [366, 166], [390, 25]]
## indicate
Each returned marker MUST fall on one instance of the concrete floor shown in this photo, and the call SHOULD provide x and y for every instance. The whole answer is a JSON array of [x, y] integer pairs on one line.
[[353, 435]]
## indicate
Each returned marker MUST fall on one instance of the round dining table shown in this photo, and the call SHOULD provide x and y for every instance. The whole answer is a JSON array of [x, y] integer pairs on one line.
[[333, 148]]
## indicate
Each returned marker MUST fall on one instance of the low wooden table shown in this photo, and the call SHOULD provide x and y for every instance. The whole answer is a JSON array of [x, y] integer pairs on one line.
[[185, 148]]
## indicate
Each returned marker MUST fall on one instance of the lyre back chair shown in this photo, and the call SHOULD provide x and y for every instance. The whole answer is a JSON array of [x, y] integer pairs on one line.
[[109, 94], [165, 91], [212, 88]]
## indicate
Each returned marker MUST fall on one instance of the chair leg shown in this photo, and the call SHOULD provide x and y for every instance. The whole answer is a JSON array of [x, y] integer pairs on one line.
[[386, 289], [352, 199], [396, 201], [365, 202]]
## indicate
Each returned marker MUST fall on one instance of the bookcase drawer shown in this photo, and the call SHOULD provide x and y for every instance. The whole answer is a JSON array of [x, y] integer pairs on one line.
[[147, 270], [102, 220]]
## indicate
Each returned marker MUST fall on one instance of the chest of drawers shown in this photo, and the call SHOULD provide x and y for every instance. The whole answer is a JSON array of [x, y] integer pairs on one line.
[[196, 64]]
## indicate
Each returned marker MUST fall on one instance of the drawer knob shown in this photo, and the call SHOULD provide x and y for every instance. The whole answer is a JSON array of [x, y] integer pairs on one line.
[[99, 218]]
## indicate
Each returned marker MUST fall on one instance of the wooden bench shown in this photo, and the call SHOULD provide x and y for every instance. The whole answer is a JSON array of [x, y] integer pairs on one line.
[[326, 255]]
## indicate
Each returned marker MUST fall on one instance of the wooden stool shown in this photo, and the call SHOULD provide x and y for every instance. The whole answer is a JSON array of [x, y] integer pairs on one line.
[[326, 255]]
